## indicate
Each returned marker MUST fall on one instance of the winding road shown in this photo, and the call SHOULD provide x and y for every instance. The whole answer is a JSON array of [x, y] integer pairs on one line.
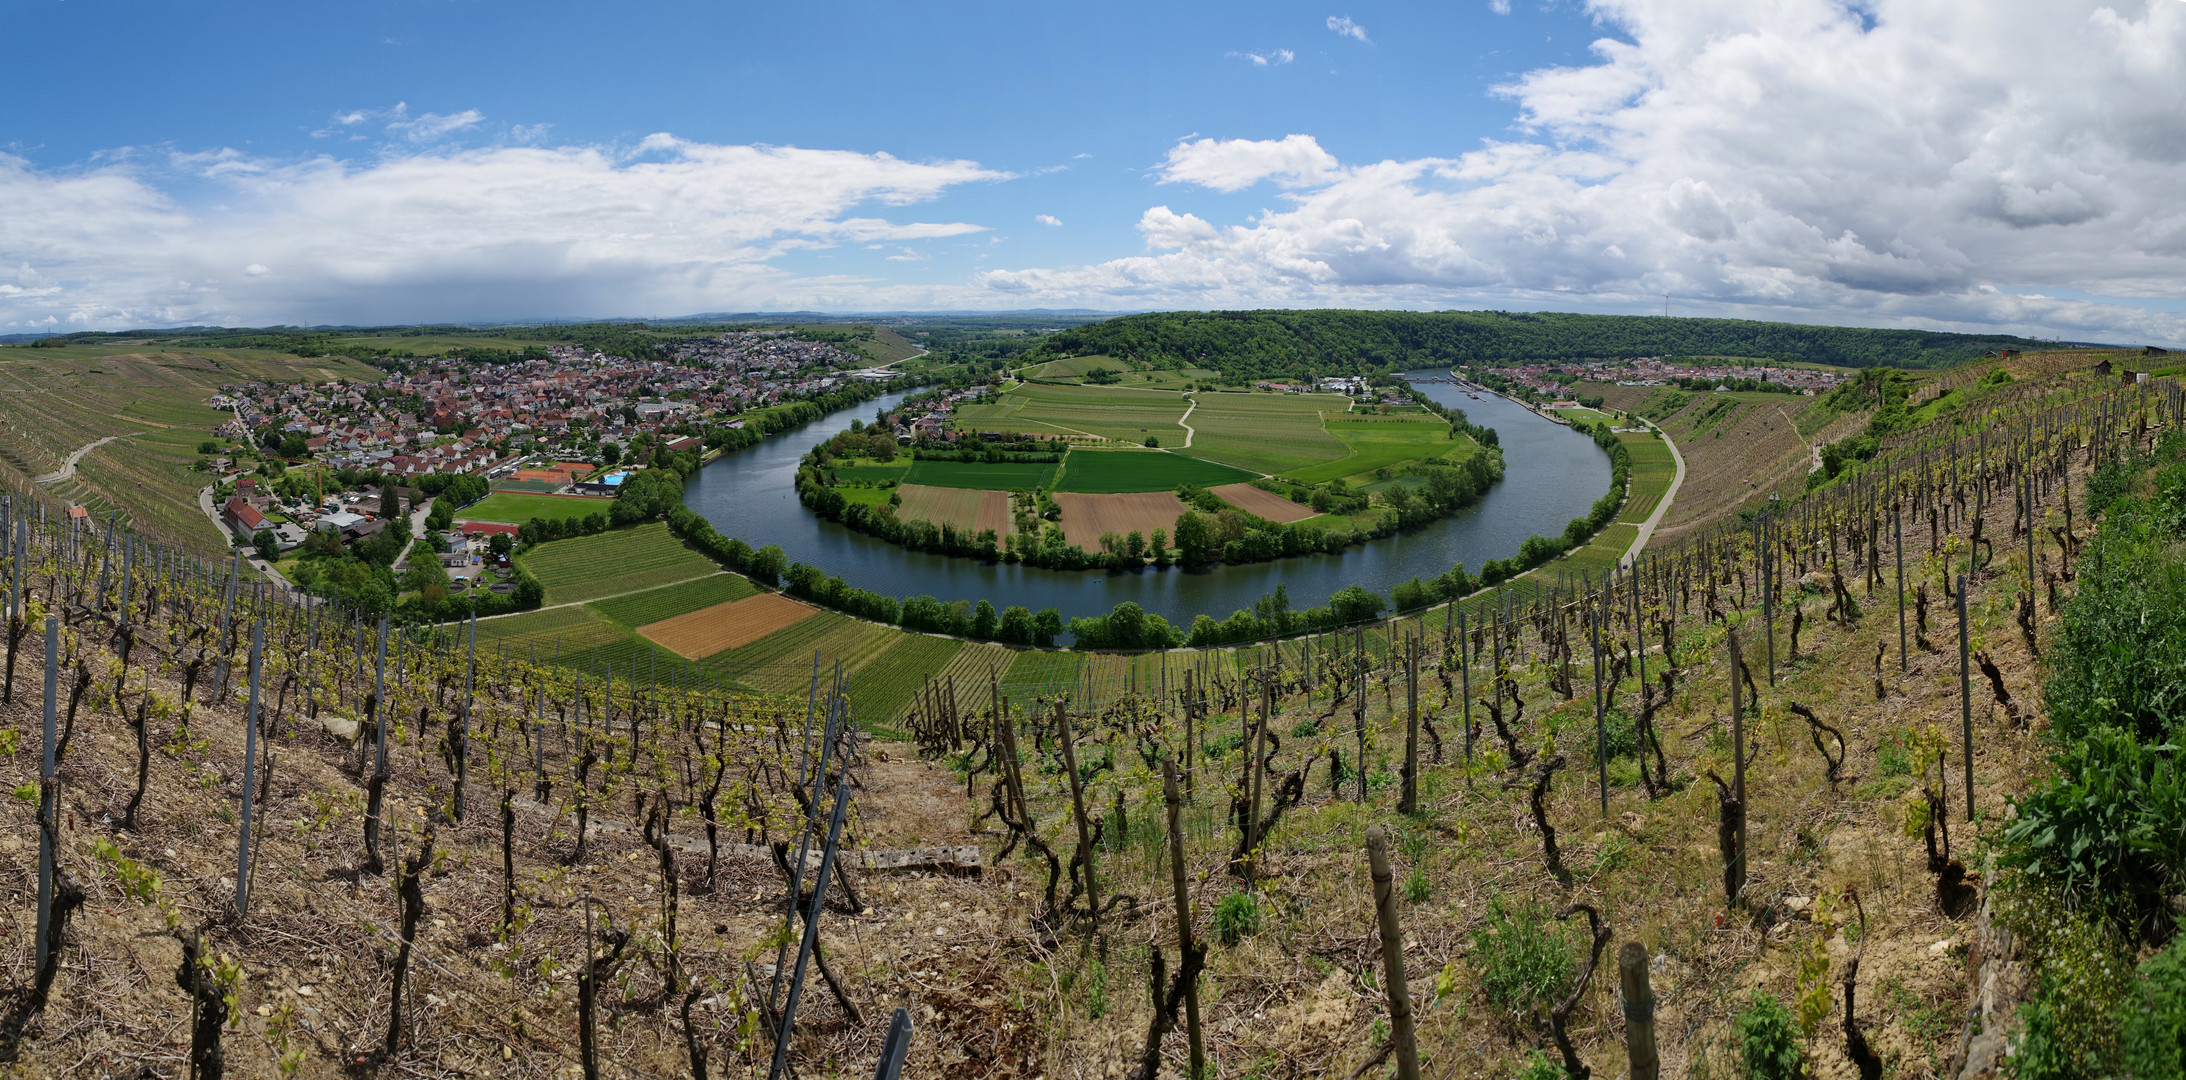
[[68, 467], [1662, 506]]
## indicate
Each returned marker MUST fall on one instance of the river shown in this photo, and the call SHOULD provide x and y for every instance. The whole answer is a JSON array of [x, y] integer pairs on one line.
[[1551, 475]]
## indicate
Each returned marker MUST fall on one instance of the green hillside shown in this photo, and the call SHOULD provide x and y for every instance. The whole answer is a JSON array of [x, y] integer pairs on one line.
[[1293, 344]]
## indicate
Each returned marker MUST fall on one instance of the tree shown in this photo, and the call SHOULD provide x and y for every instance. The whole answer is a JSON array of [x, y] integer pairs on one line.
[[983, 620], [390, 504], [610, 453], [500, 544], [1016, 628], [1045, 625], [292, 445], [1194, 538], [767, 564], [269, 548]]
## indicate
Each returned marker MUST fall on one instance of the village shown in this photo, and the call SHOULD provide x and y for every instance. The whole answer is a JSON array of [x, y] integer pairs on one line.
[[1555, 378], [532, 424]]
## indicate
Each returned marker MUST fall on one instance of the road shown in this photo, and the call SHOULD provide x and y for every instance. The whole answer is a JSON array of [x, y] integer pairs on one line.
[[68, 467], [1647, 527], [212, 514]]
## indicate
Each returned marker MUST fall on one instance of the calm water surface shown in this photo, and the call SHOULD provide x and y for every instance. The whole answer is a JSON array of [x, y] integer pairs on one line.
[[1551, 475]]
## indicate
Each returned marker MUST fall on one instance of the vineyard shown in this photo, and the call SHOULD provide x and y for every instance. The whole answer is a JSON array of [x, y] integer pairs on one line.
[[1756, 789]]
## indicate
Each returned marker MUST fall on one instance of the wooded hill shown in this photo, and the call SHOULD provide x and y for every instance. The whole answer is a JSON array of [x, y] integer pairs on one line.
[[1293, 344]]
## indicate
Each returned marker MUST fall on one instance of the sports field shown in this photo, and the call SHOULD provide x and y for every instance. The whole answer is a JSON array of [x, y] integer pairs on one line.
[[968, 474], [1086, 517], [616, 561], [1103, 472], [963, 508], [725, 626], [516, 508], [1373, 442], [1264, 504]]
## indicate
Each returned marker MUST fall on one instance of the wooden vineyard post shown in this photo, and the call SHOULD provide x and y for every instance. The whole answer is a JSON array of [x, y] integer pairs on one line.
[[1465, 687], [250, 772], [1601, 716], [1392, 954], [1191, 712], [1409, 804], [1965, 696], [1253, 783], [1639, 1012], [1183, 918], [49, 802], [1735, 840], [1358, 708], [1077, 809], [1897, 534]]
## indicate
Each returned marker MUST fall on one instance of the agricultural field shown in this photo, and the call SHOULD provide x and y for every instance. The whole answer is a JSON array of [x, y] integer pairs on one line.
[[883, 686], [516, 507], [1737, 447], [1074, 370], [961, 508], [870, 472], [1036, 673], [726, 625], [1377, 442], [1105, 472], [616, 561], [967, 474], [1266, 504], [1652, 469], [1266, 433], [1098, 413], [1086, 517], [669, 601], [782, 662]]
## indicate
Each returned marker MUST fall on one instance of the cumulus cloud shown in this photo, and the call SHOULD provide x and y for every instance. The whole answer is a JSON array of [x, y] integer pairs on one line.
[[1237, 164], [1895, 163], [1344, 27], [1047, 219], [671, 226]]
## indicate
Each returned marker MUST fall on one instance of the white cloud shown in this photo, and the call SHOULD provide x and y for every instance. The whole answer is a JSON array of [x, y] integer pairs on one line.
[[1047, 219], [1344, 27], [1237, 164], [1271, 58], [455, 234], [1898, 164], [1500, 7]]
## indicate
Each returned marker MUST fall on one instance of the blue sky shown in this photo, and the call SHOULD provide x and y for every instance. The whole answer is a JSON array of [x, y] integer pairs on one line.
[[400, 160]]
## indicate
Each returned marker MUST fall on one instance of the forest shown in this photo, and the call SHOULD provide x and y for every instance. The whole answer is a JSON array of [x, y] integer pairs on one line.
[[1301, 344]]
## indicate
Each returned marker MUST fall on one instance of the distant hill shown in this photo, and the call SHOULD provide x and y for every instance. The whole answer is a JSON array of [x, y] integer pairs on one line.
[[1270, 344]]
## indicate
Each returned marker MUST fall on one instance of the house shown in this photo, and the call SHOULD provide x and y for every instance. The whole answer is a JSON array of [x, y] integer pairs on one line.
[[243, 519], [485, 529], [688, 442], [339, 521]]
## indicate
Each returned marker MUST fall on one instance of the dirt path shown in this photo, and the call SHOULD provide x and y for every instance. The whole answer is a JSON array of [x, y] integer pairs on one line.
[[1180, 422], [597, 599], [1814, 448], [1647, 527], [68, 467]]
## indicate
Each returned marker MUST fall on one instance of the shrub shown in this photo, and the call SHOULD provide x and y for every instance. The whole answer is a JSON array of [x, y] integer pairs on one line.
[[2070, 1023], [1768, 1040], [1236, 917], [1539, 1067], [2108, 829], [2119, 656], [1525, 959], [2155, 1030]]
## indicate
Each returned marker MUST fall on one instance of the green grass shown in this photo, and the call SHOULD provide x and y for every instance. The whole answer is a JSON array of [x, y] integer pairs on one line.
[[1040, 673], [667, 602], [1266, 433], [1652, 470], [1122, 415], [516, 508], [617, 561], [1378, 443], [865, 496], [871, 472], [1102, 472], [963, 474]]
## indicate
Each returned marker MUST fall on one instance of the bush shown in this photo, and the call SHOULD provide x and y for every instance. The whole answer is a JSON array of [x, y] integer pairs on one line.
[[1526, 960], [1768, 1040], [2155, 1029], [2070, 1023], [2120, 651], [1236, 917], [2109, 829]]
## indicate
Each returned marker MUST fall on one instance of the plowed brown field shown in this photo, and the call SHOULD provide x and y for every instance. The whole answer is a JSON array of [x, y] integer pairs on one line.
[[967, 509], [1265, 504], [710, 630], [1086, 517]]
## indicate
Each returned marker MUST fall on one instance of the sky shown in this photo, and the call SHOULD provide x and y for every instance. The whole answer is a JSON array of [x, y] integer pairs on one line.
[[1927, 163]]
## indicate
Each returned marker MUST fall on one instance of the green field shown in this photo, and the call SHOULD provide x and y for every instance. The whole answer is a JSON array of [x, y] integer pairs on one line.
[[616, 561], [1108, 472], [964, 474], [1074, 370], [516, 507], [527, 487], [1116, 414], [880, 689], [1266, 433], [667, 602], [870, 472], [1652, 470], [1377, 442]]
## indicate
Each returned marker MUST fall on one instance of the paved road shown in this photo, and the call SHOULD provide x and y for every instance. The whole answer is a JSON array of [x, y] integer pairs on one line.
[[68, 467], [212, 514], [1647, 527]]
